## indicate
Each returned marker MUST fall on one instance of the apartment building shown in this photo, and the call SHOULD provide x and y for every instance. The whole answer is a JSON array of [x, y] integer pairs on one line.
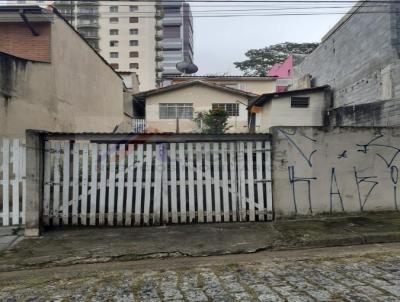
[[128, 34], [178, 36], [131, 35]]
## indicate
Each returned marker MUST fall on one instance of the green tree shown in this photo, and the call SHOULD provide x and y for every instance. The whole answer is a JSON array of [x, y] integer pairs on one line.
[[214, 121], [261, 60]]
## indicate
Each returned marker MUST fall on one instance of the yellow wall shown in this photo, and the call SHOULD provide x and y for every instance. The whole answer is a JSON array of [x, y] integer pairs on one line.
[[278, 112], [76, 92], [254, 85], [202, 98]]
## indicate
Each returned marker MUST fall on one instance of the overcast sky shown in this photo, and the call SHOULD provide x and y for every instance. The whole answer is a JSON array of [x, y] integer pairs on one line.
[[221, 41]]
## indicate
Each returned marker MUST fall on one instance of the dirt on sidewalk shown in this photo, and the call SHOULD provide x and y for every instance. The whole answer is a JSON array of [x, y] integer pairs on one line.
[[60, 247]]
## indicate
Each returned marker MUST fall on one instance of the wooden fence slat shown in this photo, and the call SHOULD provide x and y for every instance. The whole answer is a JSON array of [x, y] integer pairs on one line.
[[111, 184], [225, 189], [216, 177], [139, 184], [15, 183], [259, 168], [233, 175], [250, 179], [148, 181], [121, 184], [242, 182], [6, 182], [75, 183], [103, 183], [268, 176], [56, 185], [199, 182], [85, 183], [192, 206], [93, 185], [207, 169], [129, 189], [157, 184], [23, 177], [47, 185], [182, 183], [66, 183], [165, 185], [174, 204]]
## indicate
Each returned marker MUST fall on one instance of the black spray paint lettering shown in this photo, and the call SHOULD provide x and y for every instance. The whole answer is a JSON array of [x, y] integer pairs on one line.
[[306, 156], [336, 192], [342, 155], [394, 171], [293, 180], [359, 181]]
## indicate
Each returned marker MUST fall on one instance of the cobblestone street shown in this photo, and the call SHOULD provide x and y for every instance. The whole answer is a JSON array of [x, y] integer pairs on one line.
[[368, 277]]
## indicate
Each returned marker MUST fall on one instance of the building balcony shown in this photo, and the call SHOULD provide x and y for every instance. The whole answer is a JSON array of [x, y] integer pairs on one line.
[[63, 3], [92, 25], [159, 47], [90, 37], [159, 15], [88, 13], [159, 37], [88, 2]]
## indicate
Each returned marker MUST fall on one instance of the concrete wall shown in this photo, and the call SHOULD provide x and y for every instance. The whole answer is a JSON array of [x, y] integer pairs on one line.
[[316, 170], [76, 92], [278, 112], [202, 98], [381, 113], [359, 58]]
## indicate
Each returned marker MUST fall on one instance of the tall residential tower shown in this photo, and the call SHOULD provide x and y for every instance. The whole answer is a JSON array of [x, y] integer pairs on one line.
[[145, 37]]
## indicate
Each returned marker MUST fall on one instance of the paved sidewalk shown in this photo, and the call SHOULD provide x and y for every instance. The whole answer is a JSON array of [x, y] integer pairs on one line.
[[358, 273], [88, 245]]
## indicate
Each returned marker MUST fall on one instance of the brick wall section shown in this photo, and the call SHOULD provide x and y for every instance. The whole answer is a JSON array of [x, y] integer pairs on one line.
[[17, 40]]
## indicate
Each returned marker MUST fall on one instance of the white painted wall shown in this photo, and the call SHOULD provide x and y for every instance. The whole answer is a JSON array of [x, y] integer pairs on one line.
[[278, 112], [340, 170]]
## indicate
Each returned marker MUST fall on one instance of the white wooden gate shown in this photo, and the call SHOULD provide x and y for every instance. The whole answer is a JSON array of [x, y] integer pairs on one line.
[[146, 183], [12, 182]]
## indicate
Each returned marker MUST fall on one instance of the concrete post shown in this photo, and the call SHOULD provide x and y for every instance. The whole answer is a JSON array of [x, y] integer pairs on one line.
[[34, 182]]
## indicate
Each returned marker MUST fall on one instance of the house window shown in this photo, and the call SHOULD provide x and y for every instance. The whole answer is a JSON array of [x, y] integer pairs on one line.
[[231, 108], [133, 31], [133, 8], [114, 55], [114, 43], [133, 43], [114, 20], [134, 54], [172, 111], [114, 32], [300, 102], [114, 65], [113, 9], [134, 65], [133, 19]]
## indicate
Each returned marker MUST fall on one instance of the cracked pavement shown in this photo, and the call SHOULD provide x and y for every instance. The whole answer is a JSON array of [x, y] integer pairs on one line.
[[358, 273]]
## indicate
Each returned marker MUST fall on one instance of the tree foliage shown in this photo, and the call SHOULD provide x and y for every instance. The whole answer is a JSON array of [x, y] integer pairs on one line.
[[214, 121], [259, 61]]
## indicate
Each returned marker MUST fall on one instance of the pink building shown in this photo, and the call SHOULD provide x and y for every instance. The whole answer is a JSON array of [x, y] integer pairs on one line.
[[284, 72]]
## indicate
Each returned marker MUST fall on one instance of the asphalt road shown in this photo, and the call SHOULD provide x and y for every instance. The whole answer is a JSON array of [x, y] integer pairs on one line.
[[354, 273]]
